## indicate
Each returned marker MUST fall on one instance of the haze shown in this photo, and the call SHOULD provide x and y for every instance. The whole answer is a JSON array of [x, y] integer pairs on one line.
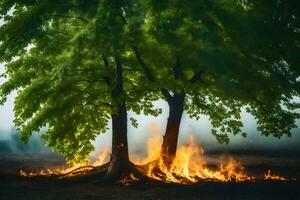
[[199, 129]]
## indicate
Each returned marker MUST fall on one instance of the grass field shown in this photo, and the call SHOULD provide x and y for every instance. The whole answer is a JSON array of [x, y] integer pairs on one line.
[[14, 187]]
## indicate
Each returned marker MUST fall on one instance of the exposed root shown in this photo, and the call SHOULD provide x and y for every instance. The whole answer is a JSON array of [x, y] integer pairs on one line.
[[126, 175], [77, 171]]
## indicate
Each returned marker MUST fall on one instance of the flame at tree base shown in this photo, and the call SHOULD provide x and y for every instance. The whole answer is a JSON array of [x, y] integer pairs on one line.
[[189, 166]]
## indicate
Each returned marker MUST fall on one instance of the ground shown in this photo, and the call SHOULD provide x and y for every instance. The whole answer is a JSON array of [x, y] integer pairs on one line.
[[14, 187]]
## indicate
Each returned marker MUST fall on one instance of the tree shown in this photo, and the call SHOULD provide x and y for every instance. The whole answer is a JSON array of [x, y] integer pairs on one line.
[[89, 61], [217, 57], [72, 75]]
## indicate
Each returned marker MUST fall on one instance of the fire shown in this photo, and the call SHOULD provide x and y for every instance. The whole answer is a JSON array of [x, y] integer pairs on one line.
[[103, 157], [128, 180], [73, 170], [189, 166], [270, 176]]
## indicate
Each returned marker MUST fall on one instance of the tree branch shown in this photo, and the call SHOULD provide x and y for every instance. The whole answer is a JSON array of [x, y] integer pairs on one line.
[[67, 16], [89, 80], [130, 82], [131, 69], [166, 94], [145, 68], [123, 19], [196, 77], [102, 104], [88, 69], [177, 70], [106, 71], [150, 75]]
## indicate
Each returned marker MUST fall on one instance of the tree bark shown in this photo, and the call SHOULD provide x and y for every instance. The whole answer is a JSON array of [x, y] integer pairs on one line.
[[175, 103], [169, 145], [120, 160]]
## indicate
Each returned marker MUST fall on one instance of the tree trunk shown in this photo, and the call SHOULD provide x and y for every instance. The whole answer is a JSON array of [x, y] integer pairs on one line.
[[169, 145], [120, 161]]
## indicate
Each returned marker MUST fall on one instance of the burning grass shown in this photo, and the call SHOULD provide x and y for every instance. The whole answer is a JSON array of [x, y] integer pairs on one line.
[[269, 176], [188, 167], [73, 170]]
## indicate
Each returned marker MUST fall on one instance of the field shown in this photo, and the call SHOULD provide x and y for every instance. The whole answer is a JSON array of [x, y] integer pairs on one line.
[[15, 187]]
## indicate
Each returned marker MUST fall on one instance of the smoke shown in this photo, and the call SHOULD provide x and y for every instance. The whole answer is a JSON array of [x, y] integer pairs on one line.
[[137, 137], [201, 131], [10, 142]]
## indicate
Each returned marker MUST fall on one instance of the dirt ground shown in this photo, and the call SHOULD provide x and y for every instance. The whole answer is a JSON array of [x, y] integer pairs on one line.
[[14, 187]]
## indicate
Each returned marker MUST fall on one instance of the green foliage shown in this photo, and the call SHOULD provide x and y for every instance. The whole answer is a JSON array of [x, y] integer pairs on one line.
[[246, 53], [66, 80], [223, 55], [134, 122]]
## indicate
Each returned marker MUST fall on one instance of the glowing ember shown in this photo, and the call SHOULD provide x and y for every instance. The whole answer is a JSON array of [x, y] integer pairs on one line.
[[128, 180], [270, 176]]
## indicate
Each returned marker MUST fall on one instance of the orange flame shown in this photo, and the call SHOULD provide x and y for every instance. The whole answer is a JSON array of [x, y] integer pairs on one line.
[[188, 166], [270, 176], [73, 170]]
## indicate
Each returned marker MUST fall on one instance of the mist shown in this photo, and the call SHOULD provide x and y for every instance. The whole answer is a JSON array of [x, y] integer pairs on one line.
[[137, 137], [10, 142]]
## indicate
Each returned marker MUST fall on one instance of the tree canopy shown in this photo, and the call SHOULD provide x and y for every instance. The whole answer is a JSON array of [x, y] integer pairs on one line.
[[63, 68], [245, 55], [218, 56]]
